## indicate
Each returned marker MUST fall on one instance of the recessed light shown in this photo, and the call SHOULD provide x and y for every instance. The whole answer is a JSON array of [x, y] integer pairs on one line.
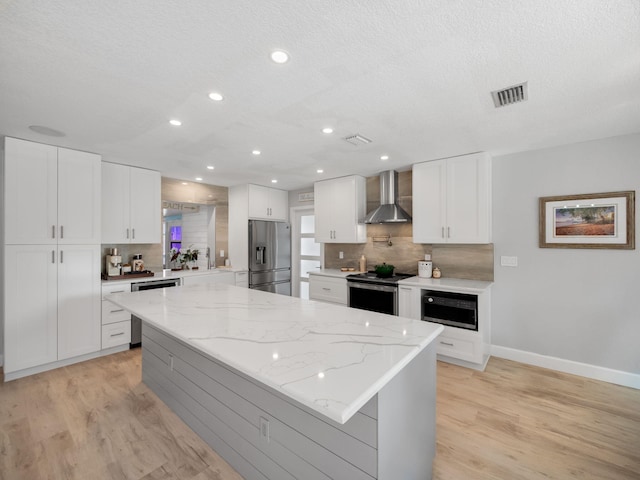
[[256, 152], [175, 123], [210, 167], [384, 157], [327, 130], [198, 179], [274, 181], [46, 131], [215, 96], [320, 170], [279, 56]]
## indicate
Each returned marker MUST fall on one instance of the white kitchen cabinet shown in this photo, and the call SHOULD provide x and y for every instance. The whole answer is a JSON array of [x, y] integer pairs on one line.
[[340, 205], [52, 303], [452, 200], [328, 289], [218, 277], [268, 203], [409, 302], [116, 321], [130, 204], [79, 298], [242, 279], [52, 195]]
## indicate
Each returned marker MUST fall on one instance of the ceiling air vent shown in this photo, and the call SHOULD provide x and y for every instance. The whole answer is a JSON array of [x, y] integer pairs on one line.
[[510, 95], [357, 140]]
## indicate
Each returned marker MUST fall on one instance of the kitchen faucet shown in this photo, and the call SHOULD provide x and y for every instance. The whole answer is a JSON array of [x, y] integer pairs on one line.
[[208, 258]]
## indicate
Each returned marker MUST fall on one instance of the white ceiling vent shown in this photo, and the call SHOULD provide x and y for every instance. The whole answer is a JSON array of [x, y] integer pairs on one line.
[[357, 139], [510, 95]]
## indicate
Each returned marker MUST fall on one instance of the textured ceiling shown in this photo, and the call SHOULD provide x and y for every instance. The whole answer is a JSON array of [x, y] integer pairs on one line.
[[415, 76]]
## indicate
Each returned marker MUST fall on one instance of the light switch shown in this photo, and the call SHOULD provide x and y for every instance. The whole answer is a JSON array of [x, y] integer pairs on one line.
[[508, 261], [341, 255], [222, 253]]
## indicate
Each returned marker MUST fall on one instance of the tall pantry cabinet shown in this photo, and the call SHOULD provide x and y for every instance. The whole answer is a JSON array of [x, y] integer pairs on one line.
[[51, 256]]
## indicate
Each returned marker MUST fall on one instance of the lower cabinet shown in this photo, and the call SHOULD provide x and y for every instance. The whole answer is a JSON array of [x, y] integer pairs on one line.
[[242, 279], [52, 304], [218, 277], [328, 289], [116, 321]]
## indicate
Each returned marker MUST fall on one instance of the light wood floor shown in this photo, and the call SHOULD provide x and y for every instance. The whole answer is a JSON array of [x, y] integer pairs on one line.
[[95, 420]]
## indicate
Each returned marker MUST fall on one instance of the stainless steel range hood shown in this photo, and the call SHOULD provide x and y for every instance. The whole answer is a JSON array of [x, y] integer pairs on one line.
[[388, 211]]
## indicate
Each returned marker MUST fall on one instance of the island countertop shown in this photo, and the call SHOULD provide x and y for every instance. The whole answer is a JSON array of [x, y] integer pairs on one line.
[[330, 358]]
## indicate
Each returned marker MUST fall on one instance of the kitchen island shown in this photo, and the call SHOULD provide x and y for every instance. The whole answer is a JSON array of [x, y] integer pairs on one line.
[[284, 388]]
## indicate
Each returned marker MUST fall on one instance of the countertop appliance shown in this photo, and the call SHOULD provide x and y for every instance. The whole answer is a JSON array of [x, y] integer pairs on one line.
[[369, 291], [136, 323], [452, 309], [270, 256], [113, 262]]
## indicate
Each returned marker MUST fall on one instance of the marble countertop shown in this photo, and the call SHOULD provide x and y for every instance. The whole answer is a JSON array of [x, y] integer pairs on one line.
[[167, 274], [330, 358], [447, 284], [332, 272]]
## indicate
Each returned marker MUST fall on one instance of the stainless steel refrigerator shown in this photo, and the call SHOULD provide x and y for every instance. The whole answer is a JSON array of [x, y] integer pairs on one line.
[[270, 256]]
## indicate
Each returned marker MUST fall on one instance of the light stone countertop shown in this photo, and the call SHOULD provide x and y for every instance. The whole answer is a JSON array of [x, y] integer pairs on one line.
[[332, 272], [168, 274], [447, 284], [330, 358]]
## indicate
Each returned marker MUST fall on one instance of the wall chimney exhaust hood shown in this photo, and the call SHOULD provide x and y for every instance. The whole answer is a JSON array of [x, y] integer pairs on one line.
[[388, 211]]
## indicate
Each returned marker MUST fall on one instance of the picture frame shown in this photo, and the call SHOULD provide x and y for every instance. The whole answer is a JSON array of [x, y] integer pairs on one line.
[[592, 220]]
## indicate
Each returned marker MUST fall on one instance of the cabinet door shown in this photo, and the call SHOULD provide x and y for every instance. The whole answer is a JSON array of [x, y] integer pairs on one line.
[[30, 315], [79, 300], [30, 193], [259, 202], [146, 211], [345, 214], [409, 302], [323, 208], [468, 199], [115, 203], [429, 202], [278, 204], [222, 277], [79, 198]]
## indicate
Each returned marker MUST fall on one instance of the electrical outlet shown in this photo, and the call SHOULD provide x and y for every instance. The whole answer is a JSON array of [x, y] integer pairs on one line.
[[264, 429], [508, 261], [340, 255], [222, 253]]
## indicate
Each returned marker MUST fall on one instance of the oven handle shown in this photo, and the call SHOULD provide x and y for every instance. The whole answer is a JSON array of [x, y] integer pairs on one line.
[[370, 286]]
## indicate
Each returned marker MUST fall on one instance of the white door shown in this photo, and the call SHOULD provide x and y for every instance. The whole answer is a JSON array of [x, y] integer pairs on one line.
[[79, 197], [306, 252], [31, 186], [115, 203], [79, 300], [30, 312], [146, 206]]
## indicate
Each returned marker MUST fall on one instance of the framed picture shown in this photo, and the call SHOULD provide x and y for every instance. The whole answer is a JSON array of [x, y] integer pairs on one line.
[[593, 220]]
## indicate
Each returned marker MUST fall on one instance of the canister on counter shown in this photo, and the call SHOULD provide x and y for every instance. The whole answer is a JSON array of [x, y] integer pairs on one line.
[[138, 263]]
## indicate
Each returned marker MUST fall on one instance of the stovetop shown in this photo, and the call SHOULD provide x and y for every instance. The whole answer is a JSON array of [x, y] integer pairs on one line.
[[372, 277]]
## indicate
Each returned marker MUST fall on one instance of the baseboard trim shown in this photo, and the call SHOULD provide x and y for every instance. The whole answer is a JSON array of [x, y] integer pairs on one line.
[[595, 372]]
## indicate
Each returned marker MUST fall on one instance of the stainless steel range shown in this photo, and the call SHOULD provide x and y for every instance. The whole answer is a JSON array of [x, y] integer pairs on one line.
[[368, 291]]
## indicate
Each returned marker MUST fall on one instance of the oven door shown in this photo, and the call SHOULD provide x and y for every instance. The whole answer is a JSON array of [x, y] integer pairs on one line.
[[373, 297]]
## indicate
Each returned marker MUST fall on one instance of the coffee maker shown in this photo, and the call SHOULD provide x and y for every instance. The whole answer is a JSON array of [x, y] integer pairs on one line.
[[113, 261]]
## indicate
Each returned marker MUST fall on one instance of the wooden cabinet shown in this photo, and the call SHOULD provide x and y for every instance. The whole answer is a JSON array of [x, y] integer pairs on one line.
[[328, 289], [340, 204], [452, 200], [268, 203], [52, 195], [131, 206], [52, 303]]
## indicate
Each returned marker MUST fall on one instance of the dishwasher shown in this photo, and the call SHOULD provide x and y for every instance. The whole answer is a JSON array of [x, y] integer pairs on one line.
[[136, 323]]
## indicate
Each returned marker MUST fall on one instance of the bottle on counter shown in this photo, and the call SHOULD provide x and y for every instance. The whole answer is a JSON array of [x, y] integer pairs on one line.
[[363, 263]]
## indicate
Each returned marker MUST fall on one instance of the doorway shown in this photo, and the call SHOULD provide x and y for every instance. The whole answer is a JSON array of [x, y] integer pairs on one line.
[[306, 253]]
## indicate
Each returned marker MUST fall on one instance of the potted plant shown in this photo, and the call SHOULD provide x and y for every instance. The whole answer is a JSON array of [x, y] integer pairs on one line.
[[190, 257]]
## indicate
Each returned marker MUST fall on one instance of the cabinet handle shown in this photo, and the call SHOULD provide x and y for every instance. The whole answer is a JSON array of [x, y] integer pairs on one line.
[[117, 334], [118, 291], [447, 344], [53, 231], [133, 233], [448, 232], [326, 289], [127, 234], [53, 256], [116, 311], [61, 256], [61, 231], [442, 232]]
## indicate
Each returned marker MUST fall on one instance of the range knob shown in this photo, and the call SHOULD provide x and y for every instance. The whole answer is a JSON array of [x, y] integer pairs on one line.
[[430, 300]]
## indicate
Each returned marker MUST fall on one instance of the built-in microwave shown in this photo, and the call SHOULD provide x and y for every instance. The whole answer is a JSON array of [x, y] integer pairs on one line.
[[458, 310]]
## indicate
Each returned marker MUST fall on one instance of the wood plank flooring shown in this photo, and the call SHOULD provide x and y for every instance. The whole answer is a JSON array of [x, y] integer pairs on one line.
[[95, 420]]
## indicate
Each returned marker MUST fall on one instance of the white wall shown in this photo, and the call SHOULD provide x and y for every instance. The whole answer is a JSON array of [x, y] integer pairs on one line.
[[575, 304]]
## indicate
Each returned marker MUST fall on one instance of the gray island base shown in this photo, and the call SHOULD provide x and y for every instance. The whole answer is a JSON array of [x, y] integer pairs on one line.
[[284, 388]]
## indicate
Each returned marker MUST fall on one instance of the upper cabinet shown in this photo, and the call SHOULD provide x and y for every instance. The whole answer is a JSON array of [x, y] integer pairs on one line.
[[340, 205], [452, 200], [130, 204], [52, 195], [268, 203]]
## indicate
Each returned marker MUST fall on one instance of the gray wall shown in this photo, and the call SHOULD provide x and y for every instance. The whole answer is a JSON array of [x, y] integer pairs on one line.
[[575, 304]]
